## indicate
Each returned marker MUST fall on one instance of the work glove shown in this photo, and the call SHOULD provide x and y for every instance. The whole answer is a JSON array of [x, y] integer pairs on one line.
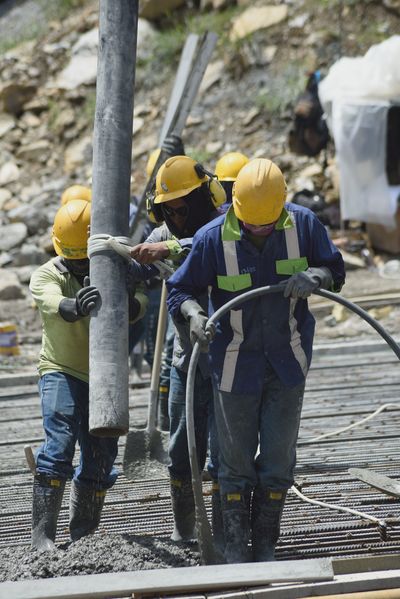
[[173, 145], [302, 284], [86, 298], [73, 308], [199, 330]]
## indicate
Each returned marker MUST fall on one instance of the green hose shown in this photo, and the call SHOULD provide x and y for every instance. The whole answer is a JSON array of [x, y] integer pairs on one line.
[[207, 551]]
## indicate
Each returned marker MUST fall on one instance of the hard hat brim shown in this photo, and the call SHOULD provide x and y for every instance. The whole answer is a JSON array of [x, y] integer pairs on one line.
[[173, 195], [69, 253]]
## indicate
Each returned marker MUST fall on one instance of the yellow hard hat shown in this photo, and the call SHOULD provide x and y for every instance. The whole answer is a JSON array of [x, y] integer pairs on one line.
[[259, 192], [76, 192], [229, 165], [152, 161], [70, 230], [177, 177]]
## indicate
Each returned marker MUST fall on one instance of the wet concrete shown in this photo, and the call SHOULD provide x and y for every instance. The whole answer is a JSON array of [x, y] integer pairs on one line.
[[96, 554]]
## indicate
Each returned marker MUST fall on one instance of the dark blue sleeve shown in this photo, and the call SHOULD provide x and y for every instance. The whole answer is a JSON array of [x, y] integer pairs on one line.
[[192, 278], [324, 252]]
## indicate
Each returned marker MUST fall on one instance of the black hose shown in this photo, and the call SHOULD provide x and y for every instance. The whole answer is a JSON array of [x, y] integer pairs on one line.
[[206, 545]]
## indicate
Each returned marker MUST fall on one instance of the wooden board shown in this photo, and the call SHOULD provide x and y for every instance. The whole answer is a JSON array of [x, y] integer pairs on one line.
[[122, 584]]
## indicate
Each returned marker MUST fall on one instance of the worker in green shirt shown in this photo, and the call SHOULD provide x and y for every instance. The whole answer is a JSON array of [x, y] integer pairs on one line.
[[65, 299]]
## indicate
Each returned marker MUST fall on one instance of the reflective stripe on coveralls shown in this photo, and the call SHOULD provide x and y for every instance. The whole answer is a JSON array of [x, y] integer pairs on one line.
[[236, 322]]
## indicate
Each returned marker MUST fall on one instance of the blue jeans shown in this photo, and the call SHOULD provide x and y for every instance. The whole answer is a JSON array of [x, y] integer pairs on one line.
[[65, 410], [269, 420], [179, 467]]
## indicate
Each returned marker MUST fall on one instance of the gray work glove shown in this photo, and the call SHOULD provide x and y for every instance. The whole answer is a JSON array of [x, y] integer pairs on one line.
[[197, 318], [302, 284], [73, 308], [86, 298], [173, 145]]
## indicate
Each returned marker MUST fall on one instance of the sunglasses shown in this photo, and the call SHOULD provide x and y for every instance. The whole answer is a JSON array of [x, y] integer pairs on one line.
[[181, 211]]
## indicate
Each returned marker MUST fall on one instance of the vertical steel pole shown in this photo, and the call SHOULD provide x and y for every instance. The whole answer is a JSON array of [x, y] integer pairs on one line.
[[112, 154]]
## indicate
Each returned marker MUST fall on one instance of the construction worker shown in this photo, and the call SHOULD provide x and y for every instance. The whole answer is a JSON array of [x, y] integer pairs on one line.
[[261, 351], [171, 146], [62, 292], [186, 198], [227, 169]]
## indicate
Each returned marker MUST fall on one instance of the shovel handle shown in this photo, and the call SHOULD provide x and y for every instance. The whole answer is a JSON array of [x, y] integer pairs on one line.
[[30, 459], [155, 372]]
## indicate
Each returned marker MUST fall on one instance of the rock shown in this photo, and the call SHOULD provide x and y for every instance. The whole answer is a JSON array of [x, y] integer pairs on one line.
[[213, 74], [29, 254], [38, 151], [29, 120], [82, 68], [10, 287], [9, 173], [256, 18], [144, 146], [251, 115], [153, 9], [35, 220], [5, 196], [65, 119], [7, 122], [138, 123], [222, 4], [12, 235], [15, 95], [24, 273], [268, 53], [77, 154], [145, 39], [214, 146]]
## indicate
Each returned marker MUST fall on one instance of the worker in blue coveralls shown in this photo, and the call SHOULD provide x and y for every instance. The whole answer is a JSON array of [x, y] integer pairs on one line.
[[261, 351], [186, 198]]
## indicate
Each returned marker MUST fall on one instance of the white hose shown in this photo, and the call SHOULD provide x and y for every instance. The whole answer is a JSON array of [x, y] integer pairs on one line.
[[338, 508], [122, 246], [347, 428]]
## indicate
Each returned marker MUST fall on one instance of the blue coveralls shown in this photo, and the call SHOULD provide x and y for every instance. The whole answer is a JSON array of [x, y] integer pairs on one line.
[[261, 351]]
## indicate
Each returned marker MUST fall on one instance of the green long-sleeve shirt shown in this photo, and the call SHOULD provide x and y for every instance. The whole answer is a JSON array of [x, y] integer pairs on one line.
[[65, 345]]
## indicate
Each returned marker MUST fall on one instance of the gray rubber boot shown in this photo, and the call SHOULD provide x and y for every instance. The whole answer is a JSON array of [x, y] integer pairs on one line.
[[236, 519], [216, 518], [183, 509], [86, 505], [266, 513], [46, 504]]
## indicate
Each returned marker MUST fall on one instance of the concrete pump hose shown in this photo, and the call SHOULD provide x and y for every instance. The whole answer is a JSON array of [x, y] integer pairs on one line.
[[206, 546]]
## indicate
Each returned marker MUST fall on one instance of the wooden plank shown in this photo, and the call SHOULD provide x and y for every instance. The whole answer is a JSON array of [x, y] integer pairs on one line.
[[122, 584], [378, 481], [348, 583]]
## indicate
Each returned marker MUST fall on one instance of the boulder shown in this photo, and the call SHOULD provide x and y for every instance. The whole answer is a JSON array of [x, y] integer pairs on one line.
[[256, 18], [12, 235], [10, 287]]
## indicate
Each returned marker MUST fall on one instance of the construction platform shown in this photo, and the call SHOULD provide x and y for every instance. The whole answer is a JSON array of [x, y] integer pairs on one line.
[[347, 383]]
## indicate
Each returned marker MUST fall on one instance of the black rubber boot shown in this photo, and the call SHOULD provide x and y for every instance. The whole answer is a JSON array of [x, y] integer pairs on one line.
[[163, 417], [86, 505], [183, 509], [236, 519], [266, 513], [216, 517], [47, 497]]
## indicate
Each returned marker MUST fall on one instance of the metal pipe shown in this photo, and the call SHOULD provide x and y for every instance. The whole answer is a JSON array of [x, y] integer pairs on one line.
[[112, 151], [207, 552]]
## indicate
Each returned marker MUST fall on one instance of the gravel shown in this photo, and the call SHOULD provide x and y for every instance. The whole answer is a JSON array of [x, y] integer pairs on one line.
[[96, 554]]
